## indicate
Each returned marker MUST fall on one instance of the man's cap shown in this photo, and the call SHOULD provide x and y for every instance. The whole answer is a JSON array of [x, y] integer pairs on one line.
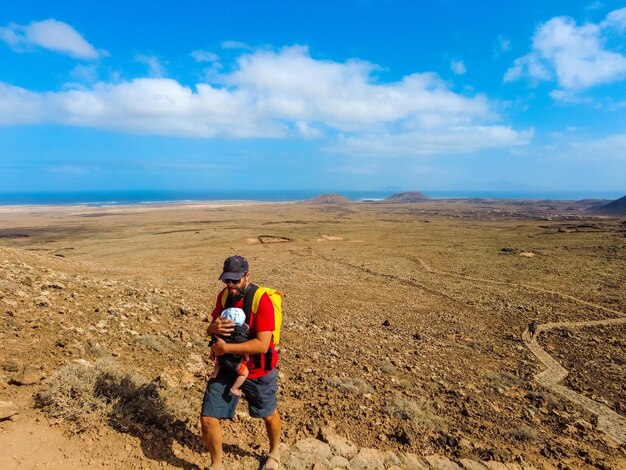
[[235, 267]]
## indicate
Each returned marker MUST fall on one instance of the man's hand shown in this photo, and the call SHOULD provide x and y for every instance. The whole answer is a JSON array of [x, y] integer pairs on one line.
[[221, 326], [218, 348]]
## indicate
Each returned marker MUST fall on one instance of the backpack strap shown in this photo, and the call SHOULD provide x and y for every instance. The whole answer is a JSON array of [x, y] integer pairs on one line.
[[269, 354], [247, 303], [247, 309], [225, 299]]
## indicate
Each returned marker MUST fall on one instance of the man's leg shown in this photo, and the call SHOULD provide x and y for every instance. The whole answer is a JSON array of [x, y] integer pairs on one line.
[[272, 425], [212, 435]]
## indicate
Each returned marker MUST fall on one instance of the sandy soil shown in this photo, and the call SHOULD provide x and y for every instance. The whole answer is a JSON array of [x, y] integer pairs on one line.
[[402, 330]]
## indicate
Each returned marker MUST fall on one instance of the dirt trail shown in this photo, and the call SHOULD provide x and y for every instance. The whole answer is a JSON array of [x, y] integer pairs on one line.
[[609, 422]]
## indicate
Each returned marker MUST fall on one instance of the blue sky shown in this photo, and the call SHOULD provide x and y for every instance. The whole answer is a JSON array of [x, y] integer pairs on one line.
[[329, 95]]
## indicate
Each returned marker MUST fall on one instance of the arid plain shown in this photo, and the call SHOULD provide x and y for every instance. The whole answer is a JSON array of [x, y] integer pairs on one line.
[[403, 325]]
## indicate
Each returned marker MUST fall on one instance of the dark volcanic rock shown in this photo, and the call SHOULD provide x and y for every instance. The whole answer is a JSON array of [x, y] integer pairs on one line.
[[617, 207]]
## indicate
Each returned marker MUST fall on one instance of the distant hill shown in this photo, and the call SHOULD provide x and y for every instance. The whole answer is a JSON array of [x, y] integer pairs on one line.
[[617, 207], [329, 199], [410, 196]]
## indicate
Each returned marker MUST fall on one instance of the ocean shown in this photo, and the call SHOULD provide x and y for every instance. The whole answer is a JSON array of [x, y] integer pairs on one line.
[[112, 198]]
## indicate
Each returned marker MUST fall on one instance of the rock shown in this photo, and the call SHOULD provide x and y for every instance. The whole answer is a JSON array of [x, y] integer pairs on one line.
[[441, 463], [340, 445], [413, 461], [7, 410], [319, 466], [467, 464], [187, 380], [83, 362], [494, 465], [583, 425], [316, 448], [56, 285], [28, 376], [339, 462], [368, 459], [166, 381]]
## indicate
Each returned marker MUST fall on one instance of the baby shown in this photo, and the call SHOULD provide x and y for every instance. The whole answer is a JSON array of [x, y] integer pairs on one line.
[[234, 362]]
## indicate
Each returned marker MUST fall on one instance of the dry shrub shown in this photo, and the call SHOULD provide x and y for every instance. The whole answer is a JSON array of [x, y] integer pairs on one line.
[[87, 396], [546, 399], [413, 411], [156, 343], [351, 385], [70, 397], [504, 379], [524, 434], [387, 367]]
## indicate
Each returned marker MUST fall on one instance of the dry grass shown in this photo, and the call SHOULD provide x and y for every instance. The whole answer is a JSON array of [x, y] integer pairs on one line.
[[156, 343], [387, 367], [413, 411], [504, 379], [524, 434], [88, 396], [351, 385]]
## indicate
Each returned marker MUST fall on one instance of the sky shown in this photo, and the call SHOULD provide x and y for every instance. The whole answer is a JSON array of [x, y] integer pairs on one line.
[[330, 95]]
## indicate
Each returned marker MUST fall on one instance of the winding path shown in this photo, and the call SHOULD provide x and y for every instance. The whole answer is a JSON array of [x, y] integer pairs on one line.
[[609, 422]]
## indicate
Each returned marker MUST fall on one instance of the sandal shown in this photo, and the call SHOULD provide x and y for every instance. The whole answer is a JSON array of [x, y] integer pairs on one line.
[[276, 464]]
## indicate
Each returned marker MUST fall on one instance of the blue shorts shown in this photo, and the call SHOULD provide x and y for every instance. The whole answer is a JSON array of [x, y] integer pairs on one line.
[[260, 394]]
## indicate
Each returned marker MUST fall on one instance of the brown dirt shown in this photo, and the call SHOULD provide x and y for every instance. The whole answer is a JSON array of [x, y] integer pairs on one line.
[[402, 328]]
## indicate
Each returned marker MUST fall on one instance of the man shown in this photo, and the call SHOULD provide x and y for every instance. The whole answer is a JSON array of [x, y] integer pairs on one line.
[[261, 386]]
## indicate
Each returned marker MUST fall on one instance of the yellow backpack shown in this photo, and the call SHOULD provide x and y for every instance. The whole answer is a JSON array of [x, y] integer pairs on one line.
[[251, 304]]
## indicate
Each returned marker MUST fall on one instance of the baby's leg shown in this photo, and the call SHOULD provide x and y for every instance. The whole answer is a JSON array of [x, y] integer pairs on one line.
[[216, 369], [241, 378]]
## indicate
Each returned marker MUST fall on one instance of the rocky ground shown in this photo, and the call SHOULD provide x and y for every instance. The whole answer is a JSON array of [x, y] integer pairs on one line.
[[402, 333]]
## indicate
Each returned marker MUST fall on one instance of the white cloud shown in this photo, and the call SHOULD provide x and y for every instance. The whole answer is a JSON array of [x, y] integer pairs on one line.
[[19, 106], [606, 149], [293, 85], [306, 130], [616, 19], [205, 56], [594, 6], [503, 45], [458, 67], [454, 140], [155, 68], [573, 55], [235, 45], [568, 96], [280, 94], [49, 34], [85, 73]]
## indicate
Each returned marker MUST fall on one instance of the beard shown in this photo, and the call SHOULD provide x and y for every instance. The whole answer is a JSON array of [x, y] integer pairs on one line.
[[240, 292]]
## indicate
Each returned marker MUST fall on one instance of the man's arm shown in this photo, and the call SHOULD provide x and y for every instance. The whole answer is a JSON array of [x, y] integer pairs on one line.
[[258, 345]]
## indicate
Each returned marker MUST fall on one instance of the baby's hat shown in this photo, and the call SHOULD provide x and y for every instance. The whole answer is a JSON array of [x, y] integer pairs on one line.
[[235, 314]]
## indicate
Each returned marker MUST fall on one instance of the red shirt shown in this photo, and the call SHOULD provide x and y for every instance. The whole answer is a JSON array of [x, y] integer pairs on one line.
[[261, 320]]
